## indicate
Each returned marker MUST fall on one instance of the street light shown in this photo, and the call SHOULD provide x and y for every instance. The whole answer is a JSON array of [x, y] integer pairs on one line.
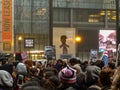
[[78, 39], [117, 21], [19, 42]]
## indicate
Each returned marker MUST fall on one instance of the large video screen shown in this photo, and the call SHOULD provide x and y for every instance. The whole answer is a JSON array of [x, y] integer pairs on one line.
[[107, 40]]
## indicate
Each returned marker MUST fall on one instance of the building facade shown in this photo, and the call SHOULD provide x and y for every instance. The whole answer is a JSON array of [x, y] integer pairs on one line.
[[32, 21], [87, 17]]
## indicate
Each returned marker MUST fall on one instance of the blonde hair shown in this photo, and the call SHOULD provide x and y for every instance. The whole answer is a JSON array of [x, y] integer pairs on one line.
[[116, 80]]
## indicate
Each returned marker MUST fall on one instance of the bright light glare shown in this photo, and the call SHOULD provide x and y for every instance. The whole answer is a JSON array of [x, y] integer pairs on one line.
[[78, 39], [20, 38]]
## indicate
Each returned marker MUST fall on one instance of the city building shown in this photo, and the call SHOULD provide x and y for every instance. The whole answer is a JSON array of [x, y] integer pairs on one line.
[[35, 21]]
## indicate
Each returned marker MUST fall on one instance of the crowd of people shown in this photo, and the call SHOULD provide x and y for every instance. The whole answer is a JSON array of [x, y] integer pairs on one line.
[[61, 74]]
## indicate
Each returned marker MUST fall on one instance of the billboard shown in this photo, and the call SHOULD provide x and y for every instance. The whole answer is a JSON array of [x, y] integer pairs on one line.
[[64, 41], [107, 41]]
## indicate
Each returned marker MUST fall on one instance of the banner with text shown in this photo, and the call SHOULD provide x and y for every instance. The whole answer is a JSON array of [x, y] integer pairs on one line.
[[7, 24]]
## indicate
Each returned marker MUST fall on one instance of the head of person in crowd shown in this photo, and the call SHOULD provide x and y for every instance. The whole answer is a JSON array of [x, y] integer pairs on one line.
[[84, 65], [32, 84], [67, 75], [92, 75], [52, 83], [7, 67], [21, 68], [59, 64], [111, 65], [81, 81], [6, 80], [34, 72], [99, 63], [28, 63], [74, 63], [48, 72], [116, 80], [65, 61], [105, 78]]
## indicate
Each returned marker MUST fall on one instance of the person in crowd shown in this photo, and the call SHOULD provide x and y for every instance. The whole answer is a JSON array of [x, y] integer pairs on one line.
[[59, 64], [74, 63], [6, 80], [34, 82], [116, 80], [21, 68], [10, 67], [52, 83], [105, 79], [28, 64], [7, 67], [92, 75], [80, 83], [99, 63], [67, 77], [111, 65], [84, 65], [48, 72], [105, 58], [23, 72]]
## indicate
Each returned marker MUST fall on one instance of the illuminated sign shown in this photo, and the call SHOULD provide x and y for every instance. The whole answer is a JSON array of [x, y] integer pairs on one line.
[[29, 42]]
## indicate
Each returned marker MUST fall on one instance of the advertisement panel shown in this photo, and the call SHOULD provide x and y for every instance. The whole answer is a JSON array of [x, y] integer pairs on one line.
[[64, 41], [7, 24]]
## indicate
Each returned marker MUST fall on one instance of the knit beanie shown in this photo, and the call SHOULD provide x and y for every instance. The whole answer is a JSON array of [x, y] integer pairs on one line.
[[6, 79], [68, 75], [21, 68]]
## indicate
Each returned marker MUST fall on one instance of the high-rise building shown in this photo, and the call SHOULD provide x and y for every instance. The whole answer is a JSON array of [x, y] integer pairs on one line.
[[32, 21]]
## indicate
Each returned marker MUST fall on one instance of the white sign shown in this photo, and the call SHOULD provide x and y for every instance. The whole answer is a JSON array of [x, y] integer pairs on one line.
[[93, 54]]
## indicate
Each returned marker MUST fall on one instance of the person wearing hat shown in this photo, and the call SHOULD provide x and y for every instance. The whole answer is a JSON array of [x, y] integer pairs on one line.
[[68, 78], [6, 80]]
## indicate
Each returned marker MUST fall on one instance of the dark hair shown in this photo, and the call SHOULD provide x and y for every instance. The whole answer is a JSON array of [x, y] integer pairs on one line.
[[33, 71], [52, 83], [73, 61], [111, 65], [105, 77], [99, 63], [118, 83]]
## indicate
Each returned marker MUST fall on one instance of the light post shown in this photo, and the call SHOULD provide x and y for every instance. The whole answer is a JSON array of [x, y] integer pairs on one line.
[[78, 39], [51, 22], [19, 42], [118, 31], [117, 22]]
